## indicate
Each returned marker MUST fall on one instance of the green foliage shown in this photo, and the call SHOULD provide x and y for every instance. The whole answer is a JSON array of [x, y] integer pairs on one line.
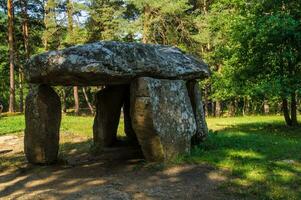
[[252, 48], [105, 20], [167, 22]]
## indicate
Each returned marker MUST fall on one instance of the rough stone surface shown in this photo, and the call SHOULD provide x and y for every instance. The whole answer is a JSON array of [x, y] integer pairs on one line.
[[194, 92], [112, 63], [162, 117], [128, 128], [43, 117], [108, 108]]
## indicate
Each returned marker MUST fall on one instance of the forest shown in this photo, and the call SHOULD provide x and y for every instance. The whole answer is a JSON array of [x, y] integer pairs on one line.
[[252, 47]]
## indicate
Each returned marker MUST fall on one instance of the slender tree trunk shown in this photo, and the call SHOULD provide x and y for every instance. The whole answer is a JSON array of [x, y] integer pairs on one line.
[[246, 108], [236, 107], [64, 100], [279, 108], [146, 18], [286, 112], [70, 32], [20, 76], [87, 100], [25, 33], [25, 29], [294, 109], [213, 107], [21, 105], [218, 108], [266, 107], [231, 108], [10, 11], [76, 100], [205, 7], [70, 18], [206, 102]]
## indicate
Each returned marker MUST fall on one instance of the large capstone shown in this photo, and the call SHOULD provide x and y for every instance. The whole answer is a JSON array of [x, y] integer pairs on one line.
[[162, 117], [43, 117], [104, 63], [108, 107]]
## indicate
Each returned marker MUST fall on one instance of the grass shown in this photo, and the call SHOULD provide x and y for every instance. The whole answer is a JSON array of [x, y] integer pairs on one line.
[[80, 126], [11, 124], [261, 155]]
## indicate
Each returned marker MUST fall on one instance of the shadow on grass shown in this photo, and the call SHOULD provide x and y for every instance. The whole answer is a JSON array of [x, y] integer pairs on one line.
[[279, 129], [263, 159]]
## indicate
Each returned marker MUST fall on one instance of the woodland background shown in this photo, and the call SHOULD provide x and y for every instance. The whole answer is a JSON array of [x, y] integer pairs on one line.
[[252, 46]]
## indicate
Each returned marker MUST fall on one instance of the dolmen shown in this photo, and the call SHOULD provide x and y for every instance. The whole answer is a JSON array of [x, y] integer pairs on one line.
[[156, 87]]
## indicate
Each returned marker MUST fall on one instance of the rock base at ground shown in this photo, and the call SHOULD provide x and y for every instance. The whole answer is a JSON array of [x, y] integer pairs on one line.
[[162, 117], [108, 107], [194, 92], [43, 118]]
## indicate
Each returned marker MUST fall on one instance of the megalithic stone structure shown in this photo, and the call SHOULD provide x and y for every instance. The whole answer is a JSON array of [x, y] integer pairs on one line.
[[156, 86], [162, 117], [42, 118]]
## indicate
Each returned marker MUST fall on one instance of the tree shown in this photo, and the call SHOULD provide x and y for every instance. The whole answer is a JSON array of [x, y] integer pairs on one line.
[[10, 10], [70, 33], [25, 33], [166, 22], [51, 34], [106, 17], [265, 48]]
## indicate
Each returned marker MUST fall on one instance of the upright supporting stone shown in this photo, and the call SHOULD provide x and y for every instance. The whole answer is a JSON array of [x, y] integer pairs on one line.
[[162, 117], [128, 128], [198, 110], [108, 107], [43, 118]]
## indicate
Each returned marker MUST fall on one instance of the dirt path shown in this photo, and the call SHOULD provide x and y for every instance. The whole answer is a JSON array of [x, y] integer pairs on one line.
[[110, 176]]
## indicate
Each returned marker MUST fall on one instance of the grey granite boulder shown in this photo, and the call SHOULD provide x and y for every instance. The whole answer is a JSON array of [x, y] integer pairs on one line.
[[108, 107], [162, 117], [194, 92], [43, 118], [104, 63]]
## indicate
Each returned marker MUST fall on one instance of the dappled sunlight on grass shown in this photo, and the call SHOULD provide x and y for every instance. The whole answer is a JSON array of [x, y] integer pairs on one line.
[[262, 155], [77, 125]]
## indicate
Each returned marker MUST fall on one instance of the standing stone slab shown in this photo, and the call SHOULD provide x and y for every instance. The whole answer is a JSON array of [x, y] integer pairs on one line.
[[198, 110], [162, 117], [43, 118], [128, 128], [108, 107]]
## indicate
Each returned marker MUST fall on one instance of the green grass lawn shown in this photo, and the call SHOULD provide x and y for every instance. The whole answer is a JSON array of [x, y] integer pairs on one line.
[[262, 157], [70, 125]]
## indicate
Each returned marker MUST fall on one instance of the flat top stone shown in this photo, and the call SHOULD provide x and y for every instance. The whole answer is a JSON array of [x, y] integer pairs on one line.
[[112, 63]]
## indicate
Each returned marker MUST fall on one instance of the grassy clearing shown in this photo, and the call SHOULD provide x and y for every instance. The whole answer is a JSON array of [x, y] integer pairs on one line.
[[262, 155], [11, 124], [79, 126]]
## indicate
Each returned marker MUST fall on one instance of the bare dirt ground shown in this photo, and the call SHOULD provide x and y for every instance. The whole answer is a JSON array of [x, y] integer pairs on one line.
[[119, 174]]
